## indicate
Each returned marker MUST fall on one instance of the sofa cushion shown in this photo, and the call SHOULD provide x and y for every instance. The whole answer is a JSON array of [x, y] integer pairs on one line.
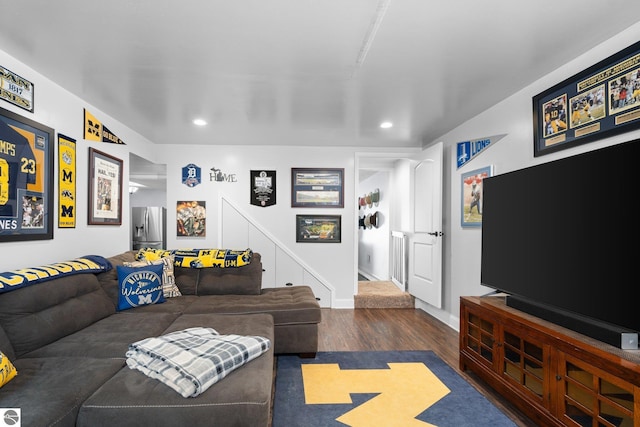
[[288, 305], [50, 391], [40, 314], [187, 280], [109, 279], [242, 398], [246, 280], [5, 345], [109, 337], [139, 286]]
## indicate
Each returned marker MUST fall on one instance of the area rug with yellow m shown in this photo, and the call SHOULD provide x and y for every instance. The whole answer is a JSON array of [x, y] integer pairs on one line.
[[377, 388]]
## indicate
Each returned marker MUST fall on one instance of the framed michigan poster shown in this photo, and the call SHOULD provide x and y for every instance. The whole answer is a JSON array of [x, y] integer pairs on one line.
[[26, 179]]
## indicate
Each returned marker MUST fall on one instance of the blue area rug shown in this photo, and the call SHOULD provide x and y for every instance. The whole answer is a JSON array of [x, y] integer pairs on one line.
[[415, 379]]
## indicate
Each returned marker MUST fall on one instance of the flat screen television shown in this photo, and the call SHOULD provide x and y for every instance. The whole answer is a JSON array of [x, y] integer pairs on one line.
[[561, 239]]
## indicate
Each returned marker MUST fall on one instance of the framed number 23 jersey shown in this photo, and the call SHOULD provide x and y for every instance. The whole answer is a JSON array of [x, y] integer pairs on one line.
[[26, 179]]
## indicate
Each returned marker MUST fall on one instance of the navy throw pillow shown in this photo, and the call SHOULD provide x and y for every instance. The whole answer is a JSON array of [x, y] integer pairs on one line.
[[139, 286]]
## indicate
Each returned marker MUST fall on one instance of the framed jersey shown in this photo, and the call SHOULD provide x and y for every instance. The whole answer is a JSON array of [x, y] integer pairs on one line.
[[26, 179]]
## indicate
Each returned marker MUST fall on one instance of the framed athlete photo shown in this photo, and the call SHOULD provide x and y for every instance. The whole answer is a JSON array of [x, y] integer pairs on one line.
[[599, 102], [471, 191], [105, 189], [26, 179]]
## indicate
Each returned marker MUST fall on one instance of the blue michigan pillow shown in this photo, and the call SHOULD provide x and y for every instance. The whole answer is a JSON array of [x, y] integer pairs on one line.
[[139, 286]]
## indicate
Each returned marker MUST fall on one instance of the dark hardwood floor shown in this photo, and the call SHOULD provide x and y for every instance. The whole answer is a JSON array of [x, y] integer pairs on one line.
[[364, 329]]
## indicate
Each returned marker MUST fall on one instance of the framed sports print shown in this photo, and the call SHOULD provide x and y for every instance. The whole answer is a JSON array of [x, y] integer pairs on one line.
[[26, 179], [191, 218], [599, 102], [318, 228], [105, 189], [472, 196], [317, 188]]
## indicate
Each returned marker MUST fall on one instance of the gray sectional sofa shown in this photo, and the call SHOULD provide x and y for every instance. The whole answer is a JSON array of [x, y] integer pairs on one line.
[[68, 344]]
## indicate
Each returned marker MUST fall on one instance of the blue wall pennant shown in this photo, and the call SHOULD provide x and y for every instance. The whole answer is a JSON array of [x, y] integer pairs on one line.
[[467, 150]]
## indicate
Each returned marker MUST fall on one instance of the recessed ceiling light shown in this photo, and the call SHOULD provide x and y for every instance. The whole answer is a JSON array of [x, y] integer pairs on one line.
[[199, 122], [386, 125]]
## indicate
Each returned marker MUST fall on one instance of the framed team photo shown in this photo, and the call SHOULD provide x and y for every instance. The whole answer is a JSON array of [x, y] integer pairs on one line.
[[26, 179], [599, 102], [105, 189]]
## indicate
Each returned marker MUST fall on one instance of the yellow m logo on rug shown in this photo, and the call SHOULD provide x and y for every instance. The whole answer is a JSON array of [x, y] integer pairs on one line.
[[405, 391]]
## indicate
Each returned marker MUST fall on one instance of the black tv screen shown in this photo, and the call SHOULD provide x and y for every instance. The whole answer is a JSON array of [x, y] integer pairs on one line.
[[565, 234]]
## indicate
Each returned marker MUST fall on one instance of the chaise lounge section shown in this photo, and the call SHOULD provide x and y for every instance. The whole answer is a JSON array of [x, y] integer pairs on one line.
[[68, 342]]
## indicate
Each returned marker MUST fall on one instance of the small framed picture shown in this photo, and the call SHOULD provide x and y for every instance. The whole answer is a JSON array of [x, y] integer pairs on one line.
[[191, 218], [471, 203], [317, 188], [318, 228], [105, 189]]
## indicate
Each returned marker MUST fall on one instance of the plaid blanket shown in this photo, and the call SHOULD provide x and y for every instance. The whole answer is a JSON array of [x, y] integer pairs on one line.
[[192, 360]]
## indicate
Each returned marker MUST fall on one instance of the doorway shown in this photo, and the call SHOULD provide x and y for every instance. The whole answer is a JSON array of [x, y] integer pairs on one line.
[[410, 203], [375, 195]]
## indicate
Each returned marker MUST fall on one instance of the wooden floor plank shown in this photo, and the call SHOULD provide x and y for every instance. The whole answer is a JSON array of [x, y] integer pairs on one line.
[[364, 329]]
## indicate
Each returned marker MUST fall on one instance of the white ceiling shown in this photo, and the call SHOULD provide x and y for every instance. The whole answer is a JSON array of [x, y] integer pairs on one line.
[[301, 72]]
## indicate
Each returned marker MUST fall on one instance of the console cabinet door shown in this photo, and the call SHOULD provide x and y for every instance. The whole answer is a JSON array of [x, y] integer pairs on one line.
[[522, 363], [588, 396], [479, 337]]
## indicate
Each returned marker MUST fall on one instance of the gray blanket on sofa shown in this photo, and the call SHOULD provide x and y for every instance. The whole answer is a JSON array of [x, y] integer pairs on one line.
[[192, 360]]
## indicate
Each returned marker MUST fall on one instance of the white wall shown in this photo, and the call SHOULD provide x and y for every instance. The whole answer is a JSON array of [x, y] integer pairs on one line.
[[62, 111], [149, 197], [373, 243], [513, 117]]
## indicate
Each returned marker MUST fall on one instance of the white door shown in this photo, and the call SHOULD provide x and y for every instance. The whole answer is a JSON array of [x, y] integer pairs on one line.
[[425, 243]]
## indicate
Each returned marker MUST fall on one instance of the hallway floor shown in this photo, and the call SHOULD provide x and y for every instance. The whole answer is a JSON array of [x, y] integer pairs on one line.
[[382, 294]]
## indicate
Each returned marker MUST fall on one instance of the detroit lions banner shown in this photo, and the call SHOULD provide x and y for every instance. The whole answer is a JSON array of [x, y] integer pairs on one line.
[[467, 150]]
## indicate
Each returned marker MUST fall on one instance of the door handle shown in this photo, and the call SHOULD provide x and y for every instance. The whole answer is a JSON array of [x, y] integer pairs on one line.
[[436, 233]]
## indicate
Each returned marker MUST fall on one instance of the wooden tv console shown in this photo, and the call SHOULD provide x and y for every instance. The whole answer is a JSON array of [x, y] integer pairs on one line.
[[556, 376]]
